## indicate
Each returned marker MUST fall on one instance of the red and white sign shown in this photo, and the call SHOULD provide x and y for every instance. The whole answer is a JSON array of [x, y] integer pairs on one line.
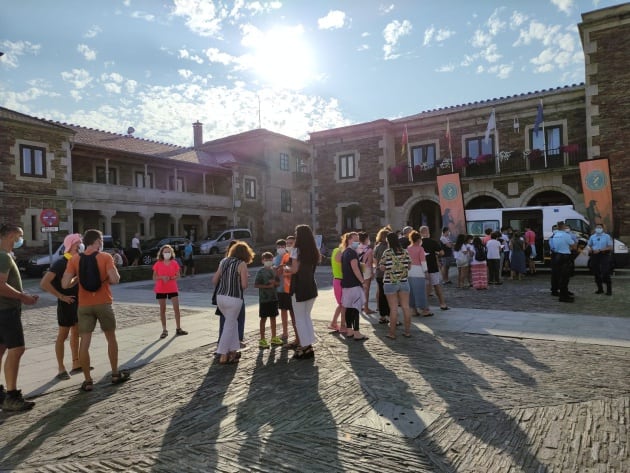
[[49, 217]]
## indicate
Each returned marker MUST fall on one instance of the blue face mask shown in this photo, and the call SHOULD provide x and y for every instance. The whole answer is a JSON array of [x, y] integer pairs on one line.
[[354, 245], [599, 230], [18, 243]]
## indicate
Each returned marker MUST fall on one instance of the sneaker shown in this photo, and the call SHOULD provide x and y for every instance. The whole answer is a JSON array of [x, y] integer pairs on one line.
[[276, 341], [263, 343], [15, 402]]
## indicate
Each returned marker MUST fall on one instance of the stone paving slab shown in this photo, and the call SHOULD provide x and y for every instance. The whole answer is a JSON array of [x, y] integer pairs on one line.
[[487, 404]]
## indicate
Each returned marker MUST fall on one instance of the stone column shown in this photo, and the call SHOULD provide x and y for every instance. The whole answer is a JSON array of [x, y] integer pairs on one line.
[[108, 214]]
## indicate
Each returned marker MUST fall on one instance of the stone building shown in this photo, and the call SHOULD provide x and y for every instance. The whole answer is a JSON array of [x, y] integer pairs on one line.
[[123, 185], [364, 178]]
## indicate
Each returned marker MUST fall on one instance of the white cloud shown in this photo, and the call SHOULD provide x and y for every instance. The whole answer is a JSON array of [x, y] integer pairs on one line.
[[446, 68], [334, 20], [517, 19], [363, 47], [384, 9], [439, 36], [481, 39], [88, 54], [113, 76], [112, 87], [502, 71], [214, 55], [491, 53], [564, 6], [392, 34], [184, 54], [79, 78], [93, 31], [131, 86], [13, 50], [560, 49], [185, 73], [140, 15], [495, 24], [76, 95], [201, 17]]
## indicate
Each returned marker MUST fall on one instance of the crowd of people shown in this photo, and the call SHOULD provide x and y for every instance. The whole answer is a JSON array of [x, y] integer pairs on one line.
[[408, 266]]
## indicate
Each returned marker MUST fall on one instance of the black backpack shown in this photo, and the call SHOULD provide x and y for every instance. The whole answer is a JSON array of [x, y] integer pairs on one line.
[[89, 275], [480, 253]]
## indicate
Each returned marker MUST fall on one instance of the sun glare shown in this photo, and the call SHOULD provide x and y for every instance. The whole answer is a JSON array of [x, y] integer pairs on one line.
[[283, 59]]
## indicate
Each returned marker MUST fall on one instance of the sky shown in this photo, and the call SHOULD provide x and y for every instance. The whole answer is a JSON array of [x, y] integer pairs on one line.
[[290, 66]]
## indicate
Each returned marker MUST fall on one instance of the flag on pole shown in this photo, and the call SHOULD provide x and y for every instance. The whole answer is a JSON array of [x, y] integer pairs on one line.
[[539, 118], [405, 141], [492, 125], [448, 135]]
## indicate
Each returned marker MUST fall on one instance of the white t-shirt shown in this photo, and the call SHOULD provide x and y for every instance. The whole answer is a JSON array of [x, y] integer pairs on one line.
[[494, 249], [135, 243]]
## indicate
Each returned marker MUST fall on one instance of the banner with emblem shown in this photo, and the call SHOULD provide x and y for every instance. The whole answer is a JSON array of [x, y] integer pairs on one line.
[[595, 175], [452, 203]]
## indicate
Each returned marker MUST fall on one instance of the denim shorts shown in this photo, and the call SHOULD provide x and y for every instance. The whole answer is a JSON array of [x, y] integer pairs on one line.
[[393, 288]]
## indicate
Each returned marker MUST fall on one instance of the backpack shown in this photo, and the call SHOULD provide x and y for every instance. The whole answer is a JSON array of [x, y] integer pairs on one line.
[[480, 253], [89, 274]]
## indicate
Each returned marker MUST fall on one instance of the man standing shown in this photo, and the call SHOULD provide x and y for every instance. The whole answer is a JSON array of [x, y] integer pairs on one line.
[[11, 331], [136, 253], [448, 259], [67, 304], [433, 252], [562, 244], [404, 236], [600, 246], [95, 304], [189, 262]]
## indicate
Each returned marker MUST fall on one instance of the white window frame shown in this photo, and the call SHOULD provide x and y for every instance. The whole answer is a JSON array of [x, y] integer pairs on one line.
[[338, 158]]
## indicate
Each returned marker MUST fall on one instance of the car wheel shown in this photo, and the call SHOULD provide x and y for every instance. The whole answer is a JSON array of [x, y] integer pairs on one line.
[[146, 259], [214, 250]]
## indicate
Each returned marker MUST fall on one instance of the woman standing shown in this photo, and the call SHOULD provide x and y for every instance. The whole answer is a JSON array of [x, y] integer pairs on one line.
[[231, 280], [335, 264], [352, 283], [379, 249], [395, 264], [478, 265], [417, 282], [462, 260], [304, 259], [165, 274], [517, 257], [366, 261]]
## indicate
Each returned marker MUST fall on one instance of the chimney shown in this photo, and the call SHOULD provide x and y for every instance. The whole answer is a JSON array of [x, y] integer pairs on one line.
[[197, 134]]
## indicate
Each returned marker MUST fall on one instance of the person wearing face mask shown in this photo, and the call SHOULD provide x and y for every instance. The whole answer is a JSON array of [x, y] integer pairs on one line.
[[95, 306], [11, 332], [67, 305], [266, 282], [285, 304], [352, 284], [166, 270], [600, 246], [562, 244]]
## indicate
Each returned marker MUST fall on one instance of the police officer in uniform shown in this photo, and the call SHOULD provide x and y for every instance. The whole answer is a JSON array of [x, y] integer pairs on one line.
[[600, 246], [561, 243]]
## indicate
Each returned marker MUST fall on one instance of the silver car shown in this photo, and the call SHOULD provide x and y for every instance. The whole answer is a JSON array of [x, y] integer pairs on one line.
[[217, 243]]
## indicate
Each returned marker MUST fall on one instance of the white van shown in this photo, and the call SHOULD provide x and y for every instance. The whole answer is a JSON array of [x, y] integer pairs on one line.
[[219, 241], [541, 219]]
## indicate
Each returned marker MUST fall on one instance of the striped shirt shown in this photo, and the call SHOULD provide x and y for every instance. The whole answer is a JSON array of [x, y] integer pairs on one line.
[[230, 279]]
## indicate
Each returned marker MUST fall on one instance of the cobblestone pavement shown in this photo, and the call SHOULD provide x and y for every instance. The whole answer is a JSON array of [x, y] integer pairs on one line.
[[439, 402]]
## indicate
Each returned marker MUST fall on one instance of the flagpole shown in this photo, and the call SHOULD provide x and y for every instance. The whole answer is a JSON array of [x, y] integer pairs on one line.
[[544, 136], [450, 147], [409, 157]]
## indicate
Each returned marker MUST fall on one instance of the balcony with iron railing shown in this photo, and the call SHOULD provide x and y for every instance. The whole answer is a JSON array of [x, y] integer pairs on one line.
[[504, 163]]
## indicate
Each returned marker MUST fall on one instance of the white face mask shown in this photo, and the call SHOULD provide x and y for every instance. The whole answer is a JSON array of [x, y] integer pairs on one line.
[[167, 256], [281, 251], [81, 248], [268, 264]]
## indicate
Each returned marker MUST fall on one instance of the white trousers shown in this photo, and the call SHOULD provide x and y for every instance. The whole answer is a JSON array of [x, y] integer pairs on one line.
[[303, 321], [230, 308]]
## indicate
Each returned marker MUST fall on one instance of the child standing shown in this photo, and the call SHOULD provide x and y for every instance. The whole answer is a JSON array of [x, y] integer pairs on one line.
[[266, 282], [165, 274]]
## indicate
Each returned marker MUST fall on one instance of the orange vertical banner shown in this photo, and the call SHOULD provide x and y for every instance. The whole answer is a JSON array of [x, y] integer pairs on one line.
[[452, 203], [595, 175]]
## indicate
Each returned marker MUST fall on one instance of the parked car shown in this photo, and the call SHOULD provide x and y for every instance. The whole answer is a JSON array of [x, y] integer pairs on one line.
[[219, 241], [151, 247], [37, 264]]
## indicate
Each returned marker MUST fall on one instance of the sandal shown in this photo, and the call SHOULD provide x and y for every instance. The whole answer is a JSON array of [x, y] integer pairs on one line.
[[87, 386], [428, 314], [383, 320], [304, 353], [333, 327], [63, 375], [408, 335], [179, 331], [390, 336], [120, 377], [291, 346], [164, 334]]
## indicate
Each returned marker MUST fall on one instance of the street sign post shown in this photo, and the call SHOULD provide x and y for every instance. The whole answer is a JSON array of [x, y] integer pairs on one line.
[[50, 220]]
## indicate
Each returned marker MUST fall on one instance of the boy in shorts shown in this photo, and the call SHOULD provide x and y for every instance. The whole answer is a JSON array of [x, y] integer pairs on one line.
[[266, 282]]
